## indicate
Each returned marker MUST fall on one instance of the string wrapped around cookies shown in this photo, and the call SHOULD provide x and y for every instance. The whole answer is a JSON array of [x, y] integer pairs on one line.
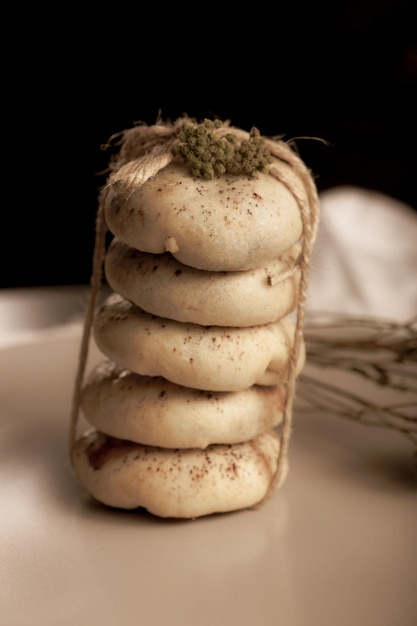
[[212, 230]]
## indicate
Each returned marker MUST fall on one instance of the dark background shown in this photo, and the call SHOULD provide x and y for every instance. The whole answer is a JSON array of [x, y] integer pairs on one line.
[[345, 74]]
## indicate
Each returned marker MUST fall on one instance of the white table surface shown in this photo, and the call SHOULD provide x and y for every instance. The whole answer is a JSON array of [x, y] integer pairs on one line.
[[335, 546]]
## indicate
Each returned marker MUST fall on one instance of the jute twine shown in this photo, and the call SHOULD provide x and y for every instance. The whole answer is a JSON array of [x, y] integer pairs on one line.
[[144, 151]]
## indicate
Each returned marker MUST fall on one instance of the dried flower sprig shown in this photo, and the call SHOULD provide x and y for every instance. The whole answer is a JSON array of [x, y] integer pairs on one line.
[[371, 371], [209, 156]]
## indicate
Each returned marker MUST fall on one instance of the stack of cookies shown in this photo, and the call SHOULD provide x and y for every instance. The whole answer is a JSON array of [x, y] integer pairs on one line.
[[198, 334]]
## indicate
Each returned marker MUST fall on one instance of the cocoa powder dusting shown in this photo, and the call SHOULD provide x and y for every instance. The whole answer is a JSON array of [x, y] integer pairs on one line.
[[103, 448]]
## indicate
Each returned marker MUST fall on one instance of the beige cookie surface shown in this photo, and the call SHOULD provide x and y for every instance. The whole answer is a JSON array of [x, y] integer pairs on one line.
[[156, 412], [161, 285], [176, 483], [224, 224], [213, 358]]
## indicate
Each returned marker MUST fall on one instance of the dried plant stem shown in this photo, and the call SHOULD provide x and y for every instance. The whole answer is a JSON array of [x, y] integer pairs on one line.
[[361, 352]]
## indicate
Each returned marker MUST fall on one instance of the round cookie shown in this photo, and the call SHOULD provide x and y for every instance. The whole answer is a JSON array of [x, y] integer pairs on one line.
[[156, 412], [223, 224], [176, 483], [213, 358], [161, 285]]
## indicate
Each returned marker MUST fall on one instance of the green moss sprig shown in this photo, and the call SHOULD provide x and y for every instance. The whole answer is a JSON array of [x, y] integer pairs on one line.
[[210, 157]]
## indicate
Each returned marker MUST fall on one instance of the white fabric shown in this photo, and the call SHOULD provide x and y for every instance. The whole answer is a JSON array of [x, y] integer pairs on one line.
[[365, 257]]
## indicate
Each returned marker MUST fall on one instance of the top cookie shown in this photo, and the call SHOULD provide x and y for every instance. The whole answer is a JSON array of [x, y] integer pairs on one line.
[[226, 223]]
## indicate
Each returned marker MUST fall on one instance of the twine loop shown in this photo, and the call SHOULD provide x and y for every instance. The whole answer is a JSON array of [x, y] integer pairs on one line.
[[144, 151]]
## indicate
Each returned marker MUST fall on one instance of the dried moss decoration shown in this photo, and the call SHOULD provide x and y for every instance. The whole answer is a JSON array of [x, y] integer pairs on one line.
[[210, 157]]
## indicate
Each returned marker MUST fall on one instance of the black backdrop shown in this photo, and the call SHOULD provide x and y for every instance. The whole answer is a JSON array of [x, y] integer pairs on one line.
[[347, 75]]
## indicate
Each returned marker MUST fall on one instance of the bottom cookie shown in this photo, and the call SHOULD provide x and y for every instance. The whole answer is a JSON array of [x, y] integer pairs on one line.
[[185, 483]]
